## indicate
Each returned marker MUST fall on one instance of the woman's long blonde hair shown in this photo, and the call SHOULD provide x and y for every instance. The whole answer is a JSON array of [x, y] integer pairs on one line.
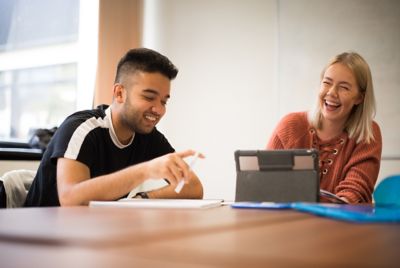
[[359, 123]]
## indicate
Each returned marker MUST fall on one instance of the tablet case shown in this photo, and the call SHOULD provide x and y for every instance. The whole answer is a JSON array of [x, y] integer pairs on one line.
[[277, 175]]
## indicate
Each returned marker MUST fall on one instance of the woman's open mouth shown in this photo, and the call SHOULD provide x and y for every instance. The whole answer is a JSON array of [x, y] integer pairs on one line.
[[331, 106]]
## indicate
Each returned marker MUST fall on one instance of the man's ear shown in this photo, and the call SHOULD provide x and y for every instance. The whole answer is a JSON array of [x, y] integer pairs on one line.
[[119, 93]]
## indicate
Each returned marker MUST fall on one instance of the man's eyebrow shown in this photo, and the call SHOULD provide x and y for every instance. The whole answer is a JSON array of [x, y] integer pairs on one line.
[[152, 91], [155, 92]]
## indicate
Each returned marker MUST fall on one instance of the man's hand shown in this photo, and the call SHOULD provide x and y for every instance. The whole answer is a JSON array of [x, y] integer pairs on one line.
[[171, 167]]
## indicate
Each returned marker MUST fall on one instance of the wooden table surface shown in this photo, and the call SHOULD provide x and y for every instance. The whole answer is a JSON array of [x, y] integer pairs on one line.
[[215, 237]]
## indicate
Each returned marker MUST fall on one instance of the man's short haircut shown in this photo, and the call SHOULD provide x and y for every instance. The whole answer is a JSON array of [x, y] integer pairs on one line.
[[144, 60]]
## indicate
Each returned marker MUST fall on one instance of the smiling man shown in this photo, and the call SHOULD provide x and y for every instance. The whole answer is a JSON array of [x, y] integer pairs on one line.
[[104, 153]]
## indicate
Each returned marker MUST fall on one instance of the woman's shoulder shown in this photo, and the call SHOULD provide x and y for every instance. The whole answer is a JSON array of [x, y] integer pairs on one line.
[[295, 119], [374, 141], [376, 130], [292, 130], [375, 127], [296, 122]]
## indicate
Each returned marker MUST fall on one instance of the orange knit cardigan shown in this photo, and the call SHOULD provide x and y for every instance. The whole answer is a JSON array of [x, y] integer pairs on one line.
[[347, 168]]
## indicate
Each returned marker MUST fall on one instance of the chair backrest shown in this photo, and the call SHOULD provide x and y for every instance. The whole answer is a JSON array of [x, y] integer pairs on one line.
[[387, 192], [16, 184]]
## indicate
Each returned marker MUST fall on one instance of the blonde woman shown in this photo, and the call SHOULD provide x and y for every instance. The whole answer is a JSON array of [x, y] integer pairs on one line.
[[341, 128]]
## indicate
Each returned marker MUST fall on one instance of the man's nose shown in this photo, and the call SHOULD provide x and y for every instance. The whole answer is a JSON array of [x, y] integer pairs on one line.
[[157, 109]]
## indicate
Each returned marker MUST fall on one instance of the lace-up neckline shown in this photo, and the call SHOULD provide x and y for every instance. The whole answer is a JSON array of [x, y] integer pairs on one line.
[[328, 150]]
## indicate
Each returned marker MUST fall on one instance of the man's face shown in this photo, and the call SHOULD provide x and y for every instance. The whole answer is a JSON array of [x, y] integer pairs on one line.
[[146, 101]]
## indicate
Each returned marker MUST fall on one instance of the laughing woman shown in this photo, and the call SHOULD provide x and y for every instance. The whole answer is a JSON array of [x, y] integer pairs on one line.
[[341, 128]]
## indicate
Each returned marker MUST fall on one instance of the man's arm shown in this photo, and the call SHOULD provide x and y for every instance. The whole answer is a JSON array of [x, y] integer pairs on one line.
[[75, 187]]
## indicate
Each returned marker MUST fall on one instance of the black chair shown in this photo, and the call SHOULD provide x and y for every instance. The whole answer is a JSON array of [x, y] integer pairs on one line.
[[3, 196]]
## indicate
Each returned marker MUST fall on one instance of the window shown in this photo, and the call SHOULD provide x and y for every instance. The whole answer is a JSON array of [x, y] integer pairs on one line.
[[41, 67], [29, 23], [41, 95]]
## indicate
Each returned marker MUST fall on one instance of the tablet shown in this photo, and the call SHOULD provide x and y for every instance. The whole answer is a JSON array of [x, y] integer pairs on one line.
[[278, 176]]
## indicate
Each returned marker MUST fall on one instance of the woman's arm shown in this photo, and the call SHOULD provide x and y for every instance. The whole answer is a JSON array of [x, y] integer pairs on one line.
[[361, 171]]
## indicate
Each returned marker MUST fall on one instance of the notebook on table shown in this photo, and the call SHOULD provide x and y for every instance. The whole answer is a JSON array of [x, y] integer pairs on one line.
[[159, 203], [279, 176]]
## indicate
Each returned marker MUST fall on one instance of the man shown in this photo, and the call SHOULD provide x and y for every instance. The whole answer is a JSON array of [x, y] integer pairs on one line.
[[104, 153]]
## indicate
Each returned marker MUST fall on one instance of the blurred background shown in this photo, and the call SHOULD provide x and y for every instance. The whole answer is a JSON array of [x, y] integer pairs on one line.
[[243, 64]]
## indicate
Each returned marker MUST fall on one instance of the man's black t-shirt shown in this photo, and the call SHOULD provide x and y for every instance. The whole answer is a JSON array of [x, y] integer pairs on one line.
[[89, 137]]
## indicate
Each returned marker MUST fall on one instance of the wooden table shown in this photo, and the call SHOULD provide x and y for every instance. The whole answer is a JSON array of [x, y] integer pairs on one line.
[[216, 237]]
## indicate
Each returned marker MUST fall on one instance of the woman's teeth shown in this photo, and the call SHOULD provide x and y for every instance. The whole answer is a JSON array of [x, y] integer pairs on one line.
[[332, 104]]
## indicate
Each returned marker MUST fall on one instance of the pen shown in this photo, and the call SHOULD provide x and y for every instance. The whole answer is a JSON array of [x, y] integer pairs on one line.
[[180, 185]]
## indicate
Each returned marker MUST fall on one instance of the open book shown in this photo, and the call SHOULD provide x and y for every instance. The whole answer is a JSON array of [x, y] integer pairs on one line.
[[159, 203]]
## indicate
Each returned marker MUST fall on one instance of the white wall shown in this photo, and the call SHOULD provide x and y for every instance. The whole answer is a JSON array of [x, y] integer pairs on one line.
[[224, 96], [244, 64]]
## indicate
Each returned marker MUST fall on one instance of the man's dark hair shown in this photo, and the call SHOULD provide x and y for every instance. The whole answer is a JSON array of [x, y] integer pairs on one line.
[[145, 60]]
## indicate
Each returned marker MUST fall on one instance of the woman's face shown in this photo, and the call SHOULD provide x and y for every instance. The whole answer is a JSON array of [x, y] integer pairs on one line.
[[339, 93]]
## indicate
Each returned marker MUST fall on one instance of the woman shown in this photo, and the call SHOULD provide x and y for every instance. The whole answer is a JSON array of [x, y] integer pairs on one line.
[[341, 128]]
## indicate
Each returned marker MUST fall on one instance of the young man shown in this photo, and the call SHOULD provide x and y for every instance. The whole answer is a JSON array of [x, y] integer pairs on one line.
[[104, 153]]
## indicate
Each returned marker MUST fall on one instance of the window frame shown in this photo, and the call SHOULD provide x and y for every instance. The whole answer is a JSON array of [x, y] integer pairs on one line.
[[83, 52]]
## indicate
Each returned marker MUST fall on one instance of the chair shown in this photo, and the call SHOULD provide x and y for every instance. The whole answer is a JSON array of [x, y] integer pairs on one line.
[[387, 192], [14, 187], [15, 184]]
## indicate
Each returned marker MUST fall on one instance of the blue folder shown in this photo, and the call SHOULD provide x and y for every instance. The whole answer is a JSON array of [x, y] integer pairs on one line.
[[386, 208], [355, 213]]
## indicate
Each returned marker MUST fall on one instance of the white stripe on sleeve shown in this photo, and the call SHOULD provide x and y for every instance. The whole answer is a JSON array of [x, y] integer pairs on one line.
[[80, 134]]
